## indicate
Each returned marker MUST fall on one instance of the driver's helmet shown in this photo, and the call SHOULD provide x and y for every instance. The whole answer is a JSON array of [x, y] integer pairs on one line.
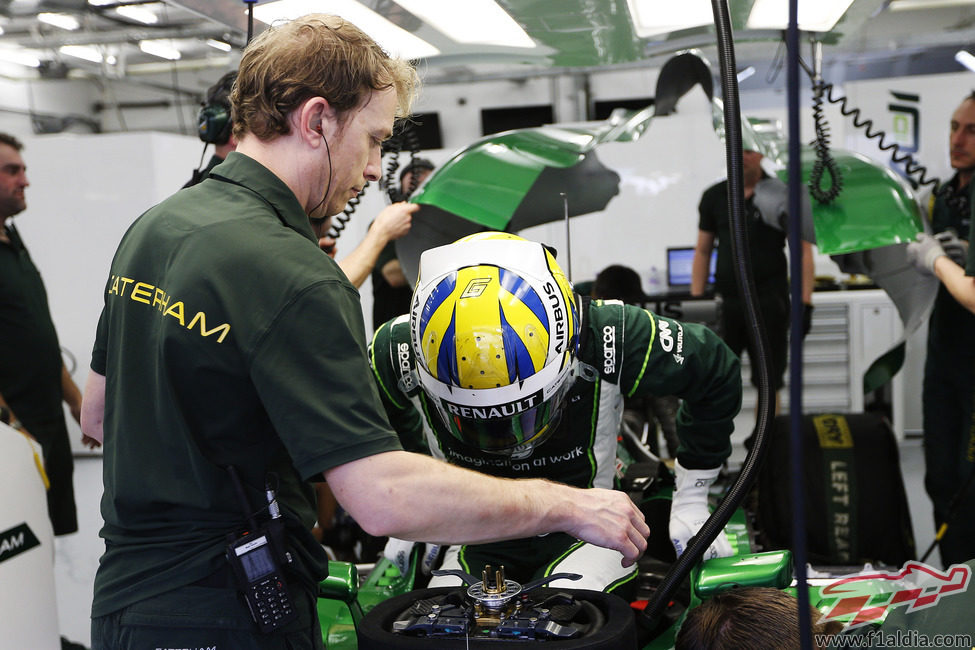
[[495, 330]]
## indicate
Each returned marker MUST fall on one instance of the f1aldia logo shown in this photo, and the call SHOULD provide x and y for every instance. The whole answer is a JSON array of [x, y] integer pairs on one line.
[[869, 596], [16, 540]]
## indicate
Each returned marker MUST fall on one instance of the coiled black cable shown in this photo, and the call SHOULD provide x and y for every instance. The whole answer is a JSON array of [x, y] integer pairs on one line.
[[825, 163], [406, 138], [917, 174]]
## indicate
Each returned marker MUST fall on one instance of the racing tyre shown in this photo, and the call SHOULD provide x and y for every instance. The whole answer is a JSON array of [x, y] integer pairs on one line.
[[608, 621]]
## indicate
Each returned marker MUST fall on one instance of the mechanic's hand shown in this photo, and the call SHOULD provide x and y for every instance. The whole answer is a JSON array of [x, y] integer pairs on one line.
[[807, 311], [956, 249], [610, 519], [689, 511], [395, 220], [923, 252]]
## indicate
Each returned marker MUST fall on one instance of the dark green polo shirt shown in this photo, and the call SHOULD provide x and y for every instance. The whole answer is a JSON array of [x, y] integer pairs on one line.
[[766, 245], [227, 338], [30, 357]]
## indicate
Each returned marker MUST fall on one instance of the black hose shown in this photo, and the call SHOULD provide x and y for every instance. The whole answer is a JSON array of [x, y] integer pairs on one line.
[[713, 527]]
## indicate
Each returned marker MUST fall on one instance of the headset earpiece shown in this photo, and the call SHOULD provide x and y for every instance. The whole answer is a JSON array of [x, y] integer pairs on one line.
[[213, 123]]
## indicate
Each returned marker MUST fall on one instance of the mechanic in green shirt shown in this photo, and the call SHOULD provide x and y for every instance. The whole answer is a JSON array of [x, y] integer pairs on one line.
[[500, 368], [33, 379], [230, 362]]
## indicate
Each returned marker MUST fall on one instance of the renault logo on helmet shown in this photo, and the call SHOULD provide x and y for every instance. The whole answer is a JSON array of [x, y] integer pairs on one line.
[[495, 411]]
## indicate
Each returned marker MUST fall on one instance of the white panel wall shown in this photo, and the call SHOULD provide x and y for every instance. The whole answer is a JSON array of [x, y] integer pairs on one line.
[[84, 192]]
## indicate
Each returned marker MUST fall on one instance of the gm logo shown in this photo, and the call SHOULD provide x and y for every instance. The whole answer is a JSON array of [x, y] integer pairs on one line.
[[16, 540], [475, 287]]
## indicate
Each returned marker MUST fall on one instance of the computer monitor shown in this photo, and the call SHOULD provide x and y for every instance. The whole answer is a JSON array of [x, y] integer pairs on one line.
[[680, 260]]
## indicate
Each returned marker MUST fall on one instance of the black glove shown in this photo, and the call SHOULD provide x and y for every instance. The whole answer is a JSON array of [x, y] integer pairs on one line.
[[807, 311]]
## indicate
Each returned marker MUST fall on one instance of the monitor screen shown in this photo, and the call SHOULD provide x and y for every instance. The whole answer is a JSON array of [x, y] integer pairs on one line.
[[679, 263]]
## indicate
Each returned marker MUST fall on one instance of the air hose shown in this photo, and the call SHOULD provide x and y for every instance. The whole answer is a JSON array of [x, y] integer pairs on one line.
[[679, 571]]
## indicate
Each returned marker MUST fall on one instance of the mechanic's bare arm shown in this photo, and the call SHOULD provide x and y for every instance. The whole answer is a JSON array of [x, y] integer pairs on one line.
[[961, 286], [93, 410], [416, 497], [701, 262], [392, 223]]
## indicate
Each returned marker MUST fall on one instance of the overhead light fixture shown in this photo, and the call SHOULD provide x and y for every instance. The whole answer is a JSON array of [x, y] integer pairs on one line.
[[965, 58], [746, 73], [814, 15], [101, 3], [219, 45], [911, 5], [480, 21], [394, 39], [653, 18], [86, 52], [64, 21], [138, 14], [163, 48], [21, 57]]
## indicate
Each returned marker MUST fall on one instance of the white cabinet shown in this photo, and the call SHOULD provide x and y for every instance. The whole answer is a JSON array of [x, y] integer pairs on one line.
[[850, 330]]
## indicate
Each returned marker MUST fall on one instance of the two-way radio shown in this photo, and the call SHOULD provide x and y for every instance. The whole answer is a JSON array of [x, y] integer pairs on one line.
[[255, 559]]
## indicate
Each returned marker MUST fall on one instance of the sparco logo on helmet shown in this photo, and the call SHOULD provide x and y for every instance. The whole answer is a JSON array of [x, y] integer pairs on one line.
[[609, 349], [558, 312], [496, 411]]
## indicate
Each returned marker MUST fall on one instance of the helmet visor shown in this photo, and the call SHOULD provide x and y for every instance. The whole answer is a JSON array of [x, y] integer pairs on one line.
[[502, 429]]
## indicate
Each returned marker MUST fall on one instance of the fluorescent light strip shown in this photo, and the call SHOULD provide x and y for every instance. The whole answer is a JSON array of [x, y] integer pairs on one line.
[[140, 14], [395, 40], [86, 52], [966, 59], [912, 5], [218, 45], [164, 49], [21, 57], [814, 15], [653, 18], [64, 21], [476, 21]]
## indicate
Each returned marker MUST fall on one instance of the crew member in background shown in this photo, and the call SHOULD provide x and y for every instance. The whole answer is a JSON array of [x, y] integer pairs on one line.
[[215, 125], [949, 368], [33, 379], [391, 292], [766, 242], [501, 368]]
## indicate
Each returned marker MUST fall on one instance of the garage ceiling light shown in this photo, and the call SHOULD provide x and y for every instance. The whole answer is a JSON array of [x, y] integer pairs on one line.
[[139, 14], [20, 56], [476, 21], [219, 45], [653, 18], [394, 39], [64, 21], [163, 48], [814, 15], [86, 52], [965, 58]]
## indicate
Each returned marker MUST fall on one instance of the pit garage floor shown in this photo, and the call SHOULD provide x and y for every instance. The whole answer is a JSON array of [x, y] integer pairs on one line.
[[77, 555]]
